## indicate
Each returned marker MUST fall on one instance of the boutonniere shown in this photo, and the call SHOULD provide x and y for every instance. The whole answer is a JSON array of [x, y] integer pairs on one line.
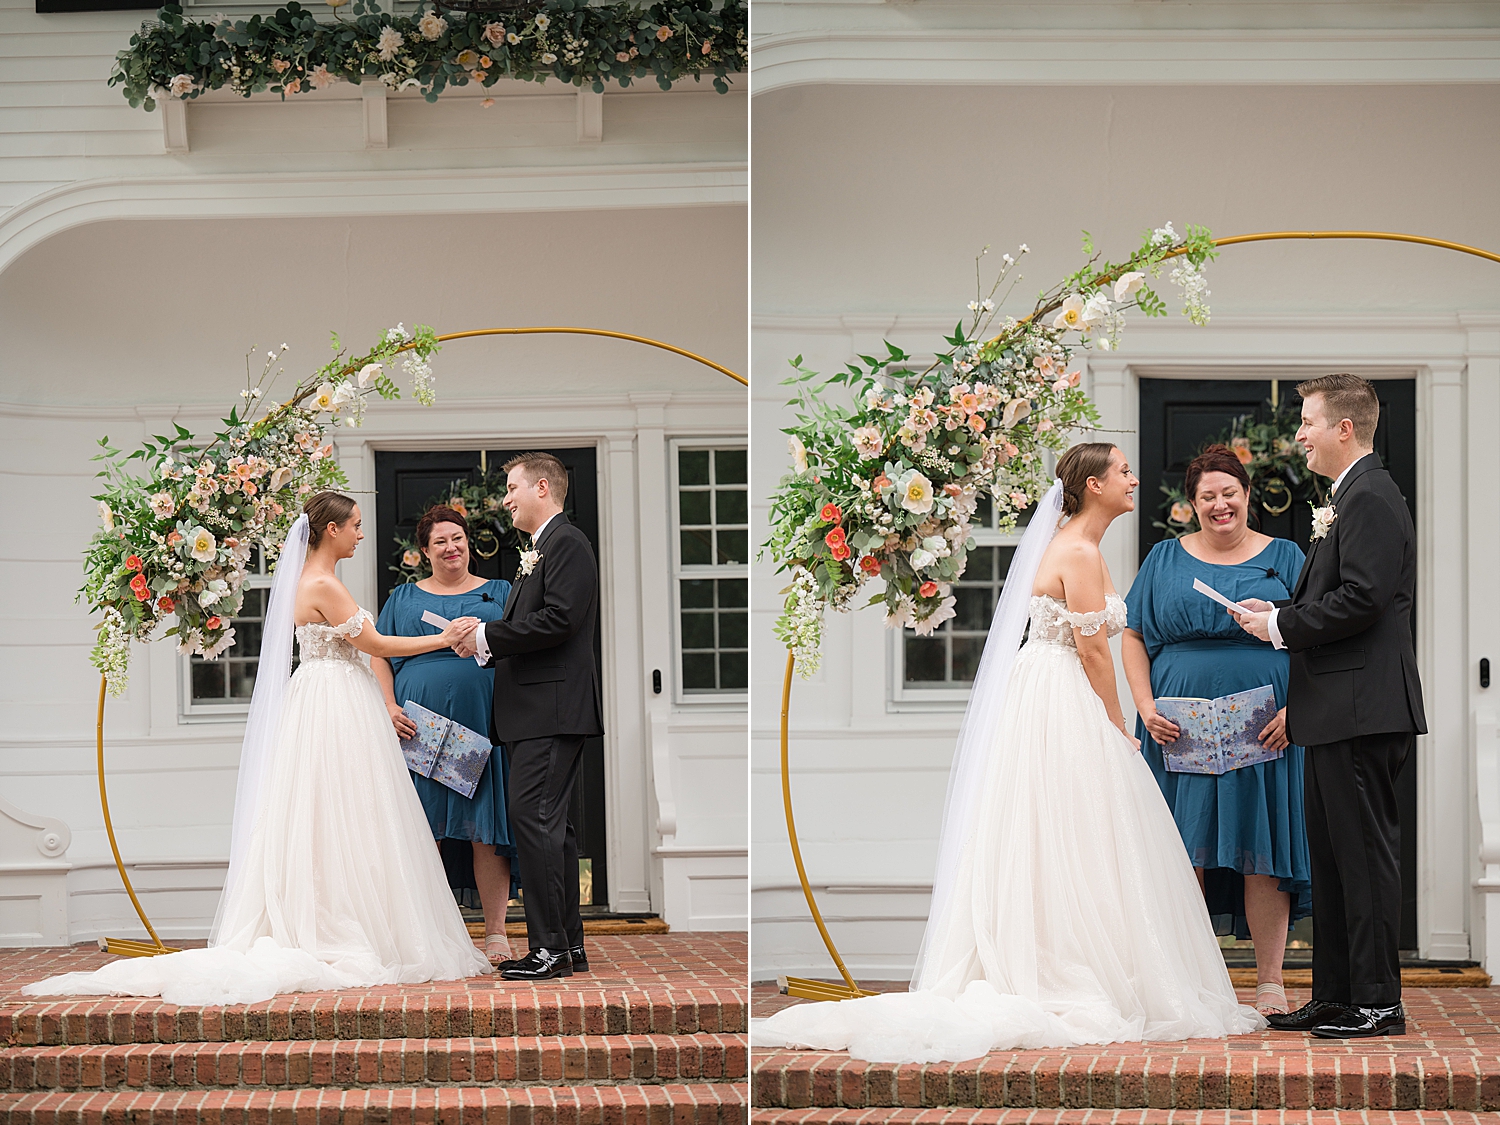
[[1322, 520], [529, 559]]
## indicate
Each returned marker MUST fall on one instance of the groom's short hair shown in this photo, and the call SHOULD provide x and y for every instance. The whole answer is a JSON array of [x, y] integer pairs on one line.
[[539, 465], [1347, 396]]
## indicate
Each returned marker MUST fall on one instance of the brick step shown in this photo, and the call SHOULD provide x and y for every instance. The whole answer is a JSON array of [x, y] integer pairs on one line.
[[1260, 1075], [681, 1104], [962, 1116], [552, 1061], [389, 1013]]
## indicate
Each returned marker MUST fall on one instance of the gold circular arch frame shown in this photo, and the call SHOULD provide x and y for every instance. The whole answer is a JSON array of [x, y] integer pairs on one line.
[[129, 947], [825, 990]]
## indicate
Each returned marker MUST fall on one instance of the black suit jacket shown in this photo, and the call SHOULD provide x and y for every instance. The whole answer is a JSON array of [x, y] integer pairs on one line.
[[542, 648], [1348, 625]]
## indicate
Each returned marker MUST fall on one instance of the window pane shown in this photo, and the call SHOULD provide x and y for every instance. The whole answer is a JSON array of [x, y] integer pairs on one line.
[[208, 681], [696, 548], [729, 466], [698, 593], [697, 630], [984, 514], [734, 671], [733, 591], [698, 671], [926, 659], [254, 604], [242, 678], [734, 630], [734, 547], [966, 654], [246, 638], [692, 507], [692, 466], [731, 506], [973, 606]]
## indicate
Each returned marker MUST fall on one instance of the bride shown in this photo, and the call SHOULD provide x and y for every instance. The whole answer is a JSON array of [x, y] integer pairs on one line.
[[333, 881], [1064, 909]]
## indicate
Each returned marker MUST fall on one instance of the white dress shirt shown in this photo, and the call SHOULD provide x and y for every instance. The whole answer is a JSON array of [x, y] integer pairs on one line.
[[1276, 641], [481, 642]]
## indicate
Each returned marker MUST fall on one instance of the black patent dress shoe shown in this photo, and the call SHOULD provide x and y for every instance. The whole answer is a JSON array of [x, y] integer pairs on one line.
[[1306, 1017], [1362, 1023], [580, 959], [540, 964]]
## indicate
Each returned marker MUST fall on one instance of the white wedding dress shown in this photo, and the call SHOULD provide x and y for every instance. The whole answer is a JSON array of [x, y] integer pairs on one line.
[[339, 883], [1073, 915]]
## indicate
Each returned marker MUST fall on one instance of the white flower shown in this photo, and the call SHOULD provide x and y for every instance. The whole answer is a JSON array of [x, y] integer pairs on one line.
[[389, 43], [1195, 291], [202, 544], [106, 516], [897, 612], [987, 305], [181, 86], [926, 626], [324, 398], [369, 371], [529, 559], [512, 38], [212, 592], [1070, 315], [1323, 521], [799, 454], [1102, 343], [1007, 259], [937, 544], [921, 559], [1128, 283], [1164, 236], [225, 641], [1025, 249], [279, 478], [344, 393], [916, 492], [547, 56], [1095, 310], [542, 21], [432, 26], [322, 78], [868, 442], [1016, 410], [163, 505], [973, 306]]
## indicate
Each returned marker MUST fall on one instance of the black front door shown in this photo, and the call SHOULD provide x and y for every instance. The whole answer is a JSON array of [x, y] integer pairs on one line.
[[1180, 416], [407, 484]]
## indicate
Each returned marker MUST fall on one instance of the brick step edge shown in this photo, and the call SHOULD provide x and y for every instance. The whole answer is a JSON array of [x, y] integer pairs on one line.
[[349, 1063], [1393, 1082], [964, 1116], [486, 1012], [706, 1104]]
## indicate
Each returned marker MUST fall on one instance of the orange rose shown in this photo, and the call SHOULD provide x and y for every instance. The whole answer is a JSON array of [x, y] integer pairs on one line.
[[1244, 454], [927, 589], [166, 605], [138, 584], [870, 564], [213, 623], [880, 482], [835, 539], [841, 551], [831, 513], [133, 562]]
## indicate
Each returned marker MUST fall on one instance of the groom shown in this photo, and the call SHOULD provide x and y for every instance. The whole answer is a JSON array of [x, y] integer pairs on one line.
[[1355, 702], [546, 704]]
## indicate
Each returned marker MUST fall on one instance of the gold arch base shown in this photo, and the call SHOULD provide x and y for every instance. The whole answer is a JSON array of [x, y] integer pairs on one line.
[[849, 990], [128, 947]]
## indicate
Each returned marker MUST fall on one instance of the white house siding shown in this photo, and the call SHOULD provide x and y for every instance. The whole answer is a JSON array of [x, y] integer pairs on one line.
[[882, 167], [132, 282]]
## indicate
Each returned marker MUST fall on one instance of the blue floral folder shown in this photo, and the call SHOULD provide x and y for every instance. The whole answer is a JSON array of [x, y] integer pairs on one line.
[[1219, 735], [446, 751]]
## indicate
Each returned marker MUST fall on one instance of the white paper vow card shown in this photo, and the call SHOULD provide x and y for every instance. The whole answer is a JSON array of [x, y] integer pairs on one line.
[[433, 619], [1209, 592]]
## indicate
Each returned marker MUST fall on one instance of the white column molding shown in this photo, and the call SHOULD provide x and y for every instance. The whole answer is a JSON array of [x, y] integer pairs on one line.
[[174, 128], [1442, 754], [656, 647], [376, 123], [33, 878], [1115, 389], [590, 115]]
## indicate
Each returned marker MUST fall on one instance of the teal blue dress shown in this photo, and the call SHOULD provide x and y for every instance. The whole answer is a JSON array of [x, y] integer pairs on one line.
[[459, 688], [1248, 821]]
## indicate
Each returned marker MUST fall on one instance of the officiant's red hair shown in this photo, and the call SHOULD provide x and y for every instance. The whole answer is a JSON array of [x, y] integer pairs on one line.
[[1217, 458], [439, 513]]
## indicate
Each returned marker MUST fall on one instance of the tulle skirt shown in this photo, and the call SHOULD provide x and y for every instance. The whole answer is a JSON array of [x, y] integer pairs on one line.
[[1075, 916], [341, 886]]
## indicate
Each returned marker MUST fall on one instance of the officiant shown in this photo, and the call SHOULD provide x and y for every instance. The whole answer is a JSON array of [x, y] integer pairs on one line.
[[1244, 829], [474, 833]]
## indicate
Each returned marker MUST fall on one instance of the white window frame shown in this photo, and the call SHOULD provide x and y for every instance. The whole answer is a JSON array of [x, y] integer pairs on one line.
[[680, 571], [190, 711], [903, 698]]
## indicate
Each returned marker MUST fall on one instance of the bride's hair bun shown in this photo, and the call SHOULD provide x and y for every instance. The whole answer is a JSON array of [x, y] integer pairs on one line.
[[322, 509], [1084, 460]]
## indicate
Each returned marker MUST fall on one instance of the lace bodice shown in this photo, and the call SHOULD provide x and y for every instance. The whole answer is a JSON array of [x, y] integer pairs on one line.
[[1053, 623], [317, 641]]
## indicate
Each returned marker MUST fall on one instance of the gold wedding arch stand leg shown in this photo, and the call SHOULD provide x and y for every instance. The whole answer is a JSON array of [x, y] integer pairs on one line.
[[128, 947], [826, 990]]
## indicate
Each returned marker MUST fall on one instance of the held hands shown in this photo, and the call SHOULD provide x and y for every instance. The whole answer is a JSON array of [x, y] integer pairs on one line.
[[1274, 736], [460, 631], [1256, 618], [405, 728]]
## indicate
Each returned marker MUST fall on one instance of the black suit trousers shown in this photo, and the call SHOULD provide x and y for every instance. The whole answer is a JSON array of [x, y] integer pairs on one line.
[[1354, 845], [542, 772]]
